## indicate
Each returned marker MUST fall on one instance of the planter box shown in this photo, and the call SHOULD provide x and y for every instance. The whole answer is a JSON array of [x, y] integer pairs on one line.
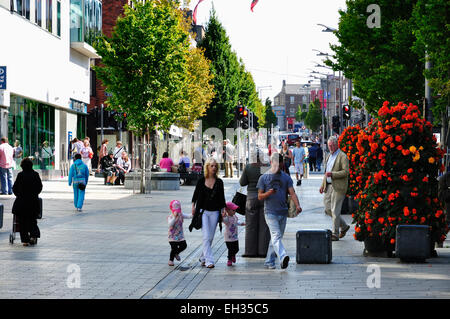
[[374, 247], [159, 181], [413, 242], [314, 246]]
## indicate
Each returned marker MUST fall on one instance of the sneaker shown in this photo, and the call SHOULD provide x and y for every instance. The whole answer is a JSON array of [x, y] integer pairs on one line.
[[210, 266], [271, 266], [170, 263], [177, 257], [285, 262], [202, 262], [229, 263], [334, 238], [233, 259]]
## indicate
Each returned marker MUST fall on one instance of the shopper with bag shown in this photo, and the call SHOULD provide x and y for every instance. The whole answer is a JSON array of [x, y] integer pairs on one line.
[[273, 188], [78, 177], [257, 235]]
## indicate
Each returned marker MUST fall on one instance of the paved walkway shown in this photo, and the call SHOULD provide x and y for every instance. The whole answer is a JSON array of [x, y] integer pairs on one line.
[[117, 248]]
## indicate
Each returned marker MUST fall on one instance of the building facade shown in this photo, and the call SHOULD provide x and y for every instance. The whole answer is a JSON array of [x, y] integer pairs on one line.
[[46, 48], [291, 98]]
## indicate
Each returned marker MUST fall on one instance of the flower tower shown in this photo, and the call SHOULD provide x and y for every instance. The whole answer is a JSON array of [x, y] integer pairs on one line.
[[397, 183], [347, 144]]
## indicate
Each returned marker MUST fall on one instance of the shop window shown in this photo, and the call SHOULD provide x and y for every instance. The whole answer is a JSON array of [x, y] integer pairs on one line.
[[22, 7], [58, 18], [32, 126], [48, 15], [38, 12]]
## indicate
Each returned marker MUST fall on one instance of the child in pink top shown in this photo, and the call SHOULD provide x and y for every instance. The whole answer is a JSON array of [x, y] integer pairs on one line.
[[176, 235], [231, 222]]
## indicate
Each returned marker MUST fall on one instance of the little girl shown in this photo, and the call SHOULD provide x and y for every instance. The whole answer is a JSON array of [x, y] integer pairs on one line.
[[231, 232], [176, 235]]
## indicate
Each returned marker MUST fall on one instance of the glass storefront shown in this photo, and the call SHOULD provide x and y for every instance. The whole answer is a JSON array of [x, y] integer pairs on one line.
[[32, 125]]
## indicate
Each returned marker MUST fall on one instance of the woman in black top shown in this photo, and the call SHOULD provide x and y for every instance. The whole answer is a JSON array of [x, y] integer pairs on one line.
[[26, 207], [209, 198]]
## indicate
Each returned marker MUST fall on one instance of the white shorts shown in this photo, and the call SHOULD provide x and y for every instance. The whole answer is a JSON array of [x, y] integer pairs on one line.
[[299, 168]]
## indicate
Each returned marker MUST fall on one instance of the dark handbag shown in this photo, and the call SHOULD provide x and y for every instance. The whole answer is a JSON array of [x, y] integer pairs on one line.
[[240, 200], [196, 220], [82, 186]]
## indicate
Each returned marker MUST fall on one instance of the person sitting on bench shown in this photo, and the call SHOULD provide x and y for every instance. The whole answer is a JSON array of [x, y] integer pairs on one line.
[[109, 171]]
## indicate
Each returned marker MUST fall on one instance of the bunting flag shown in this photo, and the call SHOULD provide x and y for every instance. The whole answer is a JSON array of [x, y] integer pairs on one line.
[[194, 15], [254, 2]]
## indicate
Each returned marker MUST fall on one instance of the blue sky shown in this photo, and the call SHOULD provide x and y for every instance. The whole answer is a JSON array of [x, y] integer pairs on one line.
[[276, 41]]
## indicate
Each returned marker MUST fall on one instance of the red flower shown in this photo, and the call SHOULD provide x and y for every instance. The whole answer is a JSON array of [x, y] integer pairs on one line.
[[406, 211]]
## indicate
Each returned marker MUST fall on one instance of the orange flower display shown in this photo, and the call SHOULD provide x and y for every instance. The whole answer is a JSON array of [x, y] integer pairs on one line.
[[393, 174]]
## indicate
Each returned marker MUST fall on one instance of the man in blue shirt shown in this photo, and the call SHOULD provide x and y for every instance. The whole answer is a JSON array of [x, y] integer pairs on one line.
[[299, 155], [273, 188]]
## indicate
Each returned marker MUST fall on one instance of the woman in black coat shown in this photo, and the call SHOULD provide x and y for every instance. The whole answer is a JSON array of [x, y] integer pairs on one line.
[[209, 201], [27, 187]]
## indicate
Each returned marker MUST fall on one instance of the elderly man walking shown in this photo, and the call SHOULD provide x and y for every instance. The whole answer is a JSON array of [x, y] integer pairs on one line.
[[6, 166], [334, 185], [273, 188]]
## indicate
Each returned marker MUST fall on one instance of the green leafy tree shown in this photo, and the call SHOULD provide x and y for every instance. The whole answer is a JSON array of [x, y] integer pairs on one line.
[[270, 117], [432, 31], [145, 67], [301, 114], [199, 90], [227, 75], [313, 119], [380, 61]]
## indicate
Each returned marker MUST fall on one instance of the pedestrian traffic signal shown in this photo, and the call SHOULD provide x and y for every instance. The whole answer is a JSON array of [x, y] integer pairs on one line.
[[346, 112], [336, 124]]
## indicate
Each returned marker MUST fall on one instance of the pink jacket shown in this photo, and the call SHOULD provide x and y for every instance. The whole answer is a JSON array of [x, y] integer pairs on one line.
[[6, 155], [166, 163]]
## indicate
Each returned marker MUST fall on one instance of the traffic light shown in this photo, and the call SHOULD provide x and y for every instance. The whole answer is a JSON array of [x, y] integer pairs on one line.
[[346, 112], [239, 112], [244, 120], [336, 123], [255, 123]]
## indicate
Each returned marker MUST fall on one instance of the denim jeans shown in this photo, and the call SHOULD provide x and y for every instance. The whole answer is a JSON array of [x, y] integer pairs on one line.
[[277, 225], [6, 180], [78, 196]]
